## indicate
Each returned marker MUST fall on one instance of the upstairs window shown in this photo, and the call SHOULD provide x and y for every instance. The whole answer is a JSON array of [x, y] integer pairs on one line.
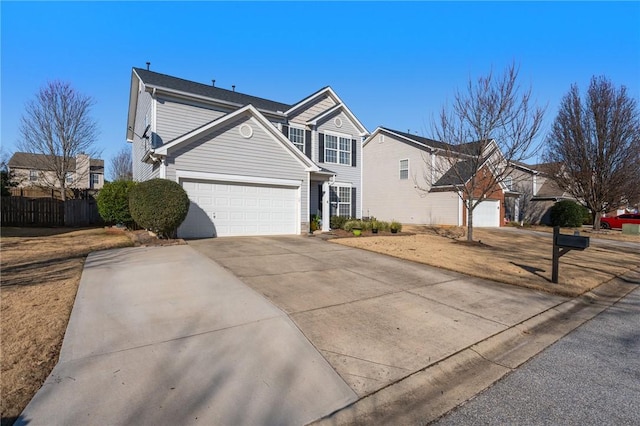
[[404, 169], [296, 136], [508, 182], [95, 179], [33, 175], [69, 177], [337, 149]]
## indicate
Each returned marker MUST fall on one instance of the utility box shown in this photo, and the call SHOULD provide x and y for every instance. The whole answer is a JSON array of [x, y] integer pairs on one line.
[[631, 229]]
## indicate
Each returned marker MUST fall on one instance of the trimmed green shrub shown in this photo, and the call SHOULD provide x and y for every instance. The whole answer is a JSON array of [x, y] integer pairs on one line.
[[567, 213], [159, 205], [337, 222], [354, 223], [113, 202]]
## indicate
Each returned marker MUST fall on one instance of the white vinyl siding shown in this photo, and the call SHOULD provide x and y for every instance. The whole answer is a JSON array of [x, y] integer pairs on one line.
[[141, 171], [387, 197], [404, 169], [175, 118], [296, 136], [224, 151], [312, 110]]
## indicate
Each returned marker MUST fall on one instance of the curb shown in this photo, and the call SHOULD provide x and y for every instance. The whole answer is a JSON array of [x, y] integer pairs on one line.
[[428, 394]]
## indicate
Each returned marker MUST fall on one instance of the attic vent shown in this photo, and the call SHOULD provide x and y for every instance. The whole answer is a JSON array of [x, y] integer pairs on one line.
[[148, 65], [233, 87], [246, 131], [380, 138], [337, 121]]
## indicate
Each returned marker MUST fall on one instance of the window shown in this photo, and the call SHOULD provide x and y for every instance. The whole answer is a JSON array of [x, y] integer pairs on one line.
[[297, 137], [337, 149], [33, 175], [404, 169], [508, 182], [69, 177], [95, 179], [340, 197]]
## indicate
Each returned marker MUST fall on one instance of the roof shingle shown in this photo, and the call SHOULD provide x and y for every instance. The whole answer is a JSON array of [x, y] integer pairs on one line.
[[179, 84]]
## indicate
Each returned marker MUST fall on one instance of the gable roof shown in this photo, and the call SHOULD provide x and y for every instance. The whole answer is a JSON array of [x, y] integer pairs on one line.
[[248, 110], [339, 106], [27, 160], [163, 81], [470, 148], [458, 174]]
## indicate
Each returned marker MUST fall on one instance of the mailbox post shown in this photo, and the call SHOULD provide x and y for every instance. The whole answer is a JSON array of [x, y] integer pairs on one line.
[[562, 244]]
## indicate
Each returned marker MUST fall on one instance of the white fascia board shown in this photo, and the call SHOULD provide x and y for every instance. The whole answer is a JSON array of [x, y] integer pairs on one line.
[[186, 174], [314, 121], [312, 97], [133, 103], [372, 136], [430, 148]]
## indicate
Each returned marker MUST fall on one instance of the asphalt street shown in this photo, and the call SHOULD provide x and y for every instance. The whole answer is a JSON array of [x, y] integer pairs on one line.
[[590, 377]]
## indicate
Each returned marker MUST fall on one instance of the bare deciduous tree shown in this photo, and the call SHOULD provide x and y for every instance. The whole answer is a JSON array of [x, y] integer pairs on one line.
[[121, 165], [57, 125], [490, 125], [593, 149]]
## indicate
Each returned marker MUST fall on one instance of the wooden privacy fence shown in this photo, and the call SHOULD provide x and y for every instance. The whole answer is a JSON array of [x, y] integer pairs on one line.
[[22, 211]]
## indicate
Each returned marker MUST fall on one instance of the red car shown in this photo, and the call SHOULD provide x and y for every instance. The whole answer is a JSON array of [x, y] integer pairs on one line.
[[617, 221]]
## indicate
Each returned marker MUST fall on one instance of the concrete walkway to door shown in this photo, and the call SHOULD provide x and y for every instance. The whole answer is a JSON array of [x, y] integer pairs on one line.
[[402, 334]]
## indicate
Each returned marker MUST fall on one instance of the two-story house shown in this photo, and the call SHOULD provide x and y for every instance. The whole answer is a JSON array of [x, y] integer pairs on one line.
[[250, 166], [37, 170], [413, 180]]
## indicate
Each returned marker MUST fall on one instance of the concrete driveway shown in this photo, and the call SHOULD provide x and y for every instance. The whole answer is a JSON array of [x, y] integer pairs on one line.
[[375, 318], [165, 336]]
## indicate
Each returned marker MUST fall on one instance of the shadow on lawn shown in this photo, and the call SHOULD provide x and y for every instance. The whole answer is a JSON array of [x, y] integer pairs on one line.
[[535, 271]]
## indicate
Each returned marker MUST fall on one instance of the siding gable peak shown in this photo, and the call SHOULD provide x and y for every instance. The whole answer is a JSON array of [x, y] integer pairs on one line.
[[247, 111]]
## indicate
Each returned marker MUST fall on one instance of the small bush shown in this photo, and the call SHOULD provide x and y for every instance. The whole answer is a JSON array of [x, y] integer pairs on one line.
[[395, 225], [113, 202], [353, 224], [159, 205], [337, 222], [567, 213]]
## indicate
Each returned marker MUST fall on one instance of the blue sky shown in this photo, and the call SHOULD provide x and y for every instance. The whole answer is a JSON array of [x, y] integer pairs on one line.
[[394, 64]]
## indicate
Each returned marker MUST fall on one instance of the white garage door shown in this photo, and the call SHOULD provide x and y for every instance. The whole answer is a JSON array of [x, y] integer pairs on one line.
[[225, 209], [487, 214]]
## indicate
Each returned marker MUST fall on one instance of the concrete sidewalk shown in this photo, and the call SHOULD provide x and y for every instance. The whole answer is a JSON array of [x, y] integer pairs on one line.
[[164, 335]]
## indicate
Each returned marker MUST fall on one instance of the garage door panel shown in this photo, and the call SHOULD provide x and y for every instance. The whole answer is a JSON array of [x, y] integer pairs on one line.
[[228, 209], [487, 214]]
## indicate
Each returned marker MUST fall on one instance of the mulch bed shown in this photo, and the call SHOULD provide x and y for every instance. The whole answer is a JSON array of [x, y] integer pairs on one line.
[[341, 233], [142, 238]]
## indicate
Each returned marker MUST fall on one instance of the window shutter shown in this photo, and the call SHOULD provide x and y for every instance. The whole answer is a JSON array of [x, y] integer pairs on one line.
[[321, 149], [285, 131], [307, 143], [354, 146], [353, 202]]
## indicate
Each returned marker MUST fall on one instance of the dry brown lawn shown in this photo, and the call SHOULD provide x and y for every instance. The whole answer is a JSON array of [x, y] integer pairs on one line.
[[39, 276], [517, 257]]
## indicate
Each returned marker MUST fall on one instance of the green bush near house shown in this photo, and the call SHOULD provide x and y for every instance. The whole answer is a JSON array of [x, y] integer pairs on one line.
[[395, 226], [337, 222], [113, 202], [568, 213], [159, 205]]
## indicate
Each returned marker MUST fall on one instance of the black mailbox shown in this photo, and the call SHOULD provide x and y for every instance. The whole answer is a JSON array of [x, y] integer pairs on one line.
[[562, 244], [574, 242]]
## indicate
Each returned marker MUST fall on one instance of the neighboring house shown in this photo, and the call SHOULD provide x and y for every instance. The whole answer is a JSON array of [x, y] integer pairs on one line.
[[523, 183], [250, 166], [34, 170], [403, 180]]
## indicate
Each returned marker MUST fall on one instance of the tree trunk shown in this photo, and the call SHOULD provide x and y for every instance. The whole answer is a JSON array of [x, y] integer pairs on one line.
[[470, 221], [596, 220]]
